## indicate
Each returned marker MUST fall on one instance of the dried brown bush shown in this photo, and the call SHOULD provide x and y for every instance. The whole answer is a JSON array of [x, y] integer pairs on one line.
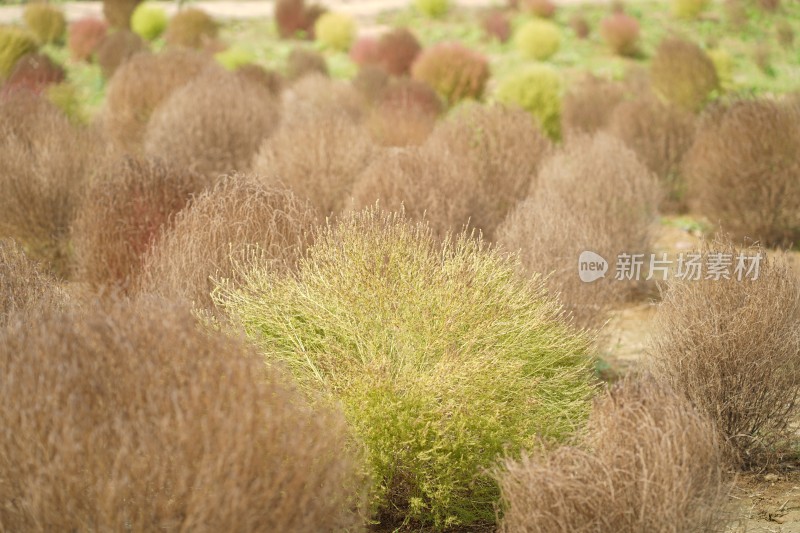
[[371, 81], [405, 113], [317, 95], [191, 28], [660, 134], [593, 195], [502, 149], [588, 105], [118, 12], [732, 346], [213, 125], [683, 73], [647, 462], [318, 157], [427, 184], [742, 170], [23, 286], [269, 79], [303, 62], [140, 85], [117, 48], [221, 228], [45, 163], [130, 417], [122, 215]]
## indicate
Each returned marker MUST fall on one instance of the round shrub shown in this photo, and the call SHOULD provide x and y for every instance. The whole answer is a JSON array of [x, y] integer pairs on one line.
[[537, 90], [496, 25], [85, 35], [14, 44], [405, 113], [34, 72], [192, 28], [411, 96], [214, 124], [742, 170], [364, 51], [269, 79], [335, 31], [621, 33], [580, 26], [122, 214], [130, 416], [148, 21], [118, 12], [397, 50], [371, 81], [688, 9], [682, 73], [116, 49], [432, 8], [237, 221], [140, 85], [319, 96], [304, 62], [453, 70], [47, 23], [540, 8], [538, 39], [589, 104], [442, 358], [234, 57], [293, 17]]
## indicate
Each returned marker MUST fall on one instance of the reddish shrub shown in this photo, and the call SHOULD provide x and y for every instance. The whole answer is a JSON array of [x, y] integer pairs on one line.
[[122, 215], [621, 33], [34, 72], [397, 50], [191, 28], [223, 228], [454, 71], [140, 85], [496, 25], [742, 170], [85, 35], [213, 125], [118, 12], [118, 48], [293, 17], [580, 26], [364, 51], [130, 416]]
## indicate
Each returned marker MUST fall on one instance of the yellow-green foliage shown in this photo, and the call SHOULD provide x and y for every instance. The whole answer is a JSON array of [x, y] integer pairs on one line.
[[149, 21], [335, 30], [723, 63], [538, 39], [682, 73], [65, 97], [433, 8], [234, 57], [688, 9], [46, 22], [443, 358], [14, 43], [537, 90]]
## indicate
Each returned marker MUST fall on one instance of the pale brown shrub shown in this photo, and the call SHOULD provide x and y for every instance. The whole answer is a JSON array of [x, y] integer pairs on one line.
[[732, 347], [222, 228], [502, 150], [593, 195], [23, 286], [743, 170], [660, 134], [303, 62], [317, 95], [684, 74], [427, 184], [130, 417], [587, 106], [318, 156], [122, 215], [405, 113], [45, 162], [213, 125], [647, 462], [140, 85]]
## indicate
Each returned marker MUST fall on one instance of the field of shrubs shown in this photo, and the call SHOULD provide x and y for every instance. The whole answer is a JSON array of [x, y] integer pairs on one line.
[[322, 273]]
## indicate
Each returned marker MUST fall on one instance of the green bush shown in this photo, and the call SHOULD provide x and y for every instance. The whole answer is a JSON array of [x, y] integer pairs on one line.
[[234, 57], [442, 357], [432, 8], [14, 43], [723, 64], [335, 30], [537, 90], [688, 9], [148, 21], [65, 97], [682, 73], [538, 39], [46, 22], [454, 71], [192, 28]]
